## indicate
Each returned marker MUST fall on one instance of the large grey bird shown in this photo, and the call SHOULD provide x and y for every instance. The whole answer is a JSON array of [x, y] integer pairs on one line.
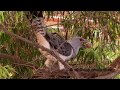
[[65, 49]]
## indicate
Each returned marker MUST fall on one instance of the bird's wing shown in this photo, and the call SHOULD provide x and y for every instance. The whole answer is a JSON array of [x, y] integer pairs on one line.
[[59, 44], [56, 41]]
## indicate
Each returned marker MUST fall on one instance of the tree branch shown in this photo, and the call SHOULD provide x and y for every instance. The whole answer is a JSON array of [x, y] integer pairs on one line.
[[76, 75], [17, 60], [109, 76]]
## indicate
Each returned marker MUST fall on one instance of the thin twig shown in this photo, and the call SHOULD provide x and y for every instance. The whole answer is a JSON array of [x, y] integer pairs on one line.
[[109, 76], [17, 60], [24, 64]]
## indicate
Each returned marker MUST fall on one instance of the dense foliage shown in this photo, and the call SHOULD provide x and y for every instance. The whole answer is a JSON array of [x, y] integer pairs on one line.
[[101, 28]]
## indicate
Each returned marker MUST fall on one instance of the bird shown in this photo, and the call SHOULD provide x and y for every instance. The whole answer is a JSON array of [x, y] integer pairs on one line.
[[66, 49]]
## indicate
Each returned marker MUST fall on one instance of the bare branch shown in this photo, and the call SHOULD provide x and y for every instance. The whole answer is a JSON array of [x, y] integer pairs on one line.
[[109, 76]]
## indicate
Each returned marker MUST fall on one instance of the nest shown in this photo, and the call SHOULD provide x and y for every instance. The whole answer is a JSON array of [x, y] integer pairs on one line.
[[64, 74], [85, 73]]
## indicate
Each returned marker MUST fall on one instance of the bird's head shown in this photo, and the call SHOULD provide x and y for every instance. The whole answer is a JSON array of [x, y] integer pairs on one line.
[[79, 42], [83, 43]]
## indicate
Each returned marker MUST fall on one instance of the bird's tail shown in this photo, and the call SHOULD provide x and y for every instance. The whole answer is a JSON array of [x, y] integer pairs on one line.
[[39, 26], [37, 21]]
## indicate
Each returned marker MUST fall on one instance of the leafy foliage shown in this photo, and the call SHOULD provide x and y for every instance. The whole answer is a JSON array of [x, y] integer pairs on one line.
[[6, 72], [101, 28]]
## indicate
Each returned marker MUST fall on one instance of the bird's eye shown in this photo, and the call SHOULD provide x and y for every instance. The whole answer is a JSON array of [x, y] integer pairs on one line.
[[81, 39]]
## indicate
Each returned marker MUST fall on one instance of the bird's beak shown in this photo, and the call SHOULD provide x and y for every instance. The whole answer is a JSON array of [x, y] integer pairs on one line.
[[87, 44]]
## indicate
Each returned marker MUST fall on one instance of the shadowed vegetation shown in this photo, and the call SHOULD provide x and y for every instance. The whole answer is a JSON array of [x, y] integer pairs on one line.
[[101, 28]]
